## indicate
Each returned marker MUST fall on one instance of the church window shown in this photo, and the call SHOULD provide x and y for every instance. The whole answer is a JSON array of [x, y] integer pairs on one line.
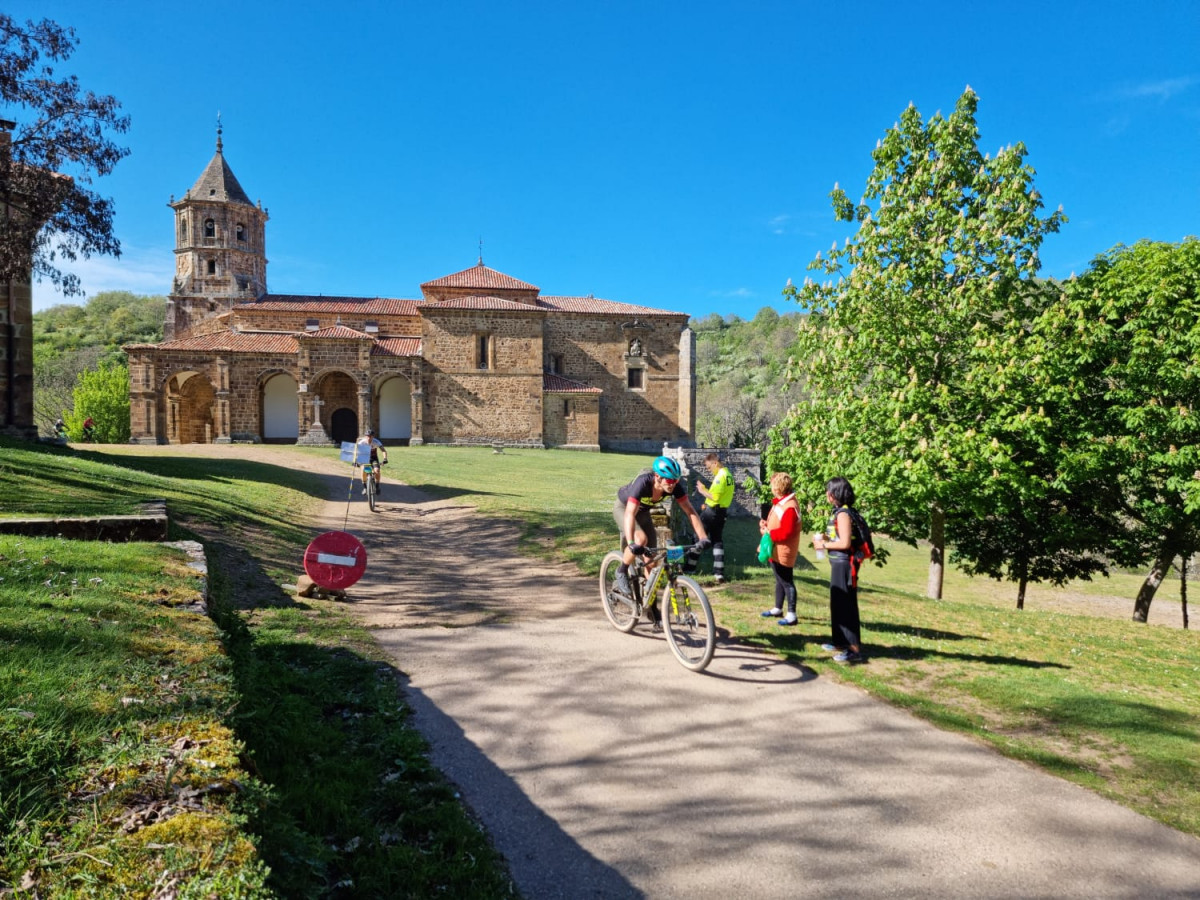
[[183, 229], [635, 378], [210, 228], [241, 232], [212, 267], [485, 351], [567, 408], [556, 364], [312, 325]]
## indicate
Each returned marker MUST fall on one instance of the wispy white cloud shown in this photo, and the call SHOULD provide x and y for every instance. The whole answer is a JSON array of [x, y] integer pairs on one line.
[[1161, 90], [778, 224], [140, 270], [741, 293]]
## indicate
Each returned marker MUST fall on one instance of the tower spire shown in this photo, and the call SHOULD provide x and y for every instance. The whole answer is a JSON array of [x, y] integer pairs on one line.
[[219, 144], [481, 251]]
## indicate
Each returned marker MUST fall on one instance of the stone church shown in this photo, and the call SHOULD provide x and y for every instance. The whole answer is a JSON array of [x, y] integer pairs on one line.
[[480, 358]]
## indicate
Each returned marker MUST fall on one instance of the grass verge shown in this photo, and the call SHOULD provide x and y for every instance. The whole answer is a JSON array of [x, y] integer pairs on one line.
[[271, 756]]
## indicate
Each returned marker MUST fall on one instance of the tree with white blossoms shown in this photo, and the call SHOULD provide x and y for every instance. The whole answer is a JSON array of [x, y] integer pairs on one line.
[[947, 238]]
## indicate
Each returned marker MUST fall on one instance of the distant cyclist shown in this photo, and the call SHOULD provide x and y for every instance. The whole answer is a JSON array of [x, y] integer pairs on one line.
[[632, 513], [89, 429], [369, 441]]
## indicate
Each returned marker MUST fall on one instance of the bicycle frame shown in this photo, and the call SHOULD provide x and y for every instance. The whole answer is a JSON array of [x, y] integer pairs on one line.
[[664, 562]]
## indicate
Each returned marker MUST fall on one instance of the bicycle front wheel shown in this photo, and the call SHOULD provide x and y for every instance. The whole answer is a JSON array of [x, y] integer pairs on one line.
[[372, 492], [621, 610], [688, 622]]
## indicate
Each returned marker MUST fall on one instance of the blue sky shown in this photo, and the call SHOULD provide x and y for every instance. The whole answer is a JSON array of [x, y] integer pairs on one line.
[[672, 154]]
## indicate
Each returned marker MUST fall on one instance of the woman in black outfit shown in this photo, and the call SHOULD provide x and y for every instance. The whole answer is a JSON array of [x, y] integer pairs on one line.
[[839, 539]]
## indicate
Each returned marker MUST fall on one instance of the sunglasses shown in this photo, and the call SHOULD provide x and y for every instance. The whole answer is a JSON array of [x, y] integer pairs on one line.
[[669, 482]]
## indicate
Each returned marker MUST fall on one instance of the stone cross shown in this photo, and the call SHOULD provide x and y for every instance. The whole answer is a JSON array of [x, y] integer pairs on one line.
[[317, 403]]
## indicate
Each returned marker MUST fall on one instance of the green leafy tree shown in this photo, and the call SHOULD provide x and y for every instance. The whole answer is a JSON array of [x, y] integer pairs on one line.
[[946, 237], [59, 143], [1124, 350], [1030, 510], [102, 394]]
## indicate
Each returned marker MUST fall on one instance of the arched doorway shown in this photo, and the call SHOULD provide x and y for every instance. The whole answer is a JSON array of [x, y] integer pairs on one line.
[[339, 395], [280, 409], [395, 410], [343, 426], [190, 399]]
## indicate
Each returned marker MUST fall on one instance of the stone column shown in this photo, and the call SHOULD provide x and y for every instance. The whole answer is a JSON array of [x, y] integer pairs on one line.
[[364, 409], [418, 415], [222, 418]]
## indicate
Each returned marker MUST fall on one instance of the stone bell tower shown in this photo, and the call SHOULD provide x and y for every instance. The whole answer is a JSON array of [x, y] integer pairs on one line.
[[220, 250]]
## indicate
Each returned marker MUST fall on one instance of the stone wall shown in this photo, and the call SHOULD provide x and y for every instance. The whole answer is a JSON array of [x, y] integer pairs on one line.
[[465, 403], [266, 320], [595, 349], [16, 361], [742, 464], [571, 421]]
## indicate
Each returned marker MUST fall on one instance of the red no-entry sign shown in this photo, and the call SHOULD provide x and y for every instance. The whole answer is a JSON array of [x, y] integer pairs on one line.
[[335, 560]]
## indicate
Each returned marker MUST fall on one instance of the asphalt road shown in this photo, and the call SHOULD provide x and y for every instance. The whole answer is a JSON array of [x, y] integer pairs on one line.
[[603, 769]]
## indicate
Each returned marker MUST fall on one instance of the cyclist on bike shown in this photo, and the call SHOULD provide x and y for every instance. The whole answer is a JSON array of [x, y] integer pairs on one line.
[[89, 429], [632, 513], [368, 442]]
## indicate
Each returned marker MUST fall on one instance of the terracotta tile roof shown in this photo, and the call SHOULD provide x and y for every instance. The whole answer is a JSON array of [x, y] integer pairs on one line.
[[229, 342], [216, 182], [337, 333], [477, 303], [480, 276], [610, 307], [397, 347], [556, 384], [367, 306]]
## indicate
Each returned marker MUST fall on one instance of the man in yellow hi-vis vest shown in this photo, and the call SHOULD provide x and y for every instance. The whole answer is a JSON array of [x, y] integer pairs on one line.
[[717, 497]]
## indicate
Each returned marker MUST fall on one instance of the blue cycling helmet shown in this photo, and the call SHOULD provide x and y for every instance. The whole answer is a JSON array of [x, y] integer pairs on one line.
[[665, 467]]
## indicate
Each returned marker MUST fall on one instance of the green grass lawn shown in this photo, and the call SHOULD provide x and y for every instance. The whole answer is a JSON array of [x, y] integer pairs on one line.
[[148, 751]]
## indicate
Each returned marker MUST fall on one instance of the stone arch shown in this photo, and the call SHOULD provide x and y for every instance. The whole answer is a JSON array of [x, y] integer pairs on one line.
[[190, 402], [338, 390], [279, 405], [393, 404]]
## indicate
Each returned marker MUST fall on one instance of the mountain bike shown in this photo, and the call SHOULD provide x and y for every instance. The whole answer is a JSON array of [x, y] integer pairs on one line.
[[684, 613], [371, 470]]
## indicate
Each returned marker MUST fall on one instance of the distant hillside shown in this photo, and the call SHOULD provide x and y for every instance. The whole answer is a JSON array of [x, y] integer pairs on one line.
[[108, 320], [69, 339], [741, 367]]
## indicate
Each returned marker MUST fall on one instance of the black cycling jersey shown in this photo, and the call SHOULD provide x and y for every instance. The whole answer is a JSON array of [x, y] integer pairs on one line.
[[642, 488]]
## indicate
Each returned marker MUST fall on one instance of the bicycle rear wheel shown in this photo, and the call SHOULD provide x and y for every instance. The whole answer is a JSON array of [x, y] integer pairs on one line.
[[688, 622], [372, 492], [621, 610]]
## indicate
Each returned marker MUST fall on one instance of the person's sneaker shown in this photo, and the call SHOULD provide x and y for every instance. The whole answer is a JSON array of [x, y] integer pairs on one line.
[[788, 620], [773, 613], [364, 490], [848, 656], [832, 648], [719, 579], [621, 585]]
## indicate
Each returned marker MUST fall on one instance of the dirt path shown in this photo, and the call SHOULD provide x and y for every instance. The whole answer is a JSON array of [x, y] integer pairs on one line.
[[602, 769]]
